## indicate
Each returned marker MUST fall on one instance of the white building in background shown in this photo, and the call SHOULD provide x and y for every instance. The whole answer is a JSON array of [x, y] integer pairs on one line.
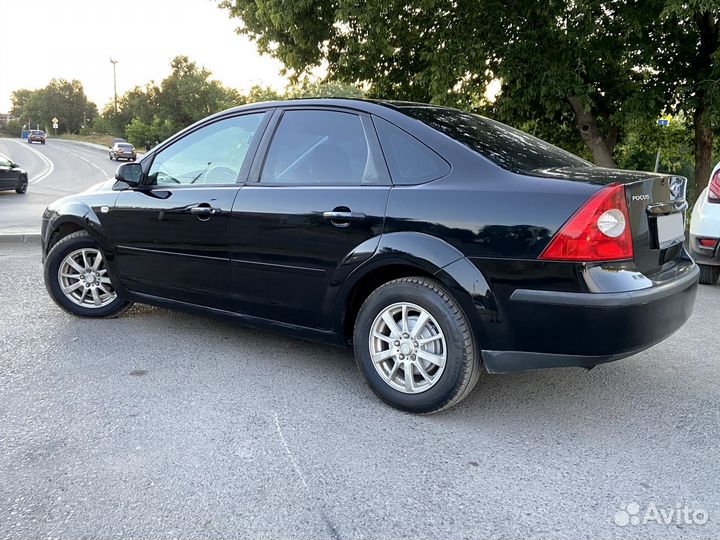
[[5, 118]]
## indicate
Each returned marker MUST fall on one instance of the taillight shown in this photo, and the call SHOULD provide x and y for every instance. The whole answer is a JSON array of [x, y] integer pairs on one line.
[[708, 242], [598, 231], [714, 188]]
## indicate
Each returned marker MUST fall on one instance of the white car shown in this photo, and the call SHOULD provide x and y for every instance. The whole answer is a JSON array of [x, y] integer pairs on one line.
[[705, 230]]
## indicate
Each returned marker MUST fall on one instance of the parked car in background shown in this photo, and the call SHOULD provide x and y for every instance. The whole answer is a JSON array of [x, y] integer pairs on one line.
[[36, 135], [433, 240], [705, 230], [12, 176], [123, 150]]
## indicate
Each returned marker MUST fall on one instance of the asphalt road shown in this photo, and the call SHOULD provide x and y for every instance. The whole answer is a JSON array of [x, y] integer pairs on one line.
[[57, 169], [161, 425]]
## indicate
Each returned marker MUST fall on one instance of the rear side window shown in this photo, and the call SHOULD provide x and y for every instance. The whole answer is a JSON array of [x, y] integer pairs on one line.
[[320, 147], [409, 160], [510, 148]]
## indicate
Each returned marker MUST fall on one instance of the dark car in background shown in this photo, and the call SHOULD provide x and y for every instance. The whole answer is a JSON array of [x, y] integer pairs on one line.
[[123, 150], [36, 135], [12, 176], [432, 240]]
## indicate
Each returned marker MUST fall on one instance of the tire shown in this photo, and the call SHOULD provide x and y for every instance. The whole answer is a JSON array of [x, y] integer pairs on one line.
[[111, 158], [22, 188], [709, 274], [449, 384], [66, 246]]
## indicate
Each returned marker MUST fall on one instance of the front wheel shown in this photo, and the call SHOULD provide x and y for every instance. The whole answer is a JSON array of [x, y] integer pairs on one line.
[[709, 274], [414, 346], [77, 278], [22, 187]]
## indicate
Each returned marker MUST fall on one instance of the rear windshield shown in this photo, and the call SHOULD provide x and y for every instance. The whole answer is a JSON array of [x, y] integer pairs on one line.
[[125, 146], [36, 132], [510, 148]]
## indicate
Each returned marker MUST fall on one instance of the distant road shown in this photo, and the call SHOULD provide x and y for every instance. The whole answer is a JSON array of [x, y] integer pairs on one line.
[[57, 169]]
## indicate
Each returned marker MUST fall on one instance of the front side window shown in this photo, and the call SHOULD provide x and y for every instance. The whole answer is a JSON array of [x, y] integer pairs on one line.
[[214, 154], [320, 147]]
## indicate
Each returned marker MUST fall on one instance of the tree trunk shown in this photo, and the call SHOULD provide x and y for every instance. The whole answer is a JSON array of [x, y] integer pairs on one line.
[[590, 133], [703, 147], [708, 47]]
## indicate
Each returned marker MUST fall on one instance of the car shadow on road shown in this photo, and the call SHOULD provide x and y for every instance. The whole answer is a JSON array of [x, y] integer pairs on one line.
[[618, 391]]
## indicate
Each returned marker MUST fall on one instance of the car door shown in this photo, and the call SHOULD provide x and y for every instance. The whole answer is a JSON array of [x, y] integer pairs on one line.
[[8, 177], [319, 197], [172, 232]]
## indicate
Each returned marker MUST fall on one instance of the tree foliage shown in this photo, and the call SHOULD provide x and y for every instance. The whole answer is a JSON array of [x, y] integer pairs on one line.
[[61, 99]]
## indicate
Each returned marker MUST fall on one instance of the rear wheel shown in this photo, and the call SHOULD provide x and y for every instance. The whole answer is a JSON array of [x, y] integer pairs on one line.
[[77, 278], [709, 274], [414, 346]]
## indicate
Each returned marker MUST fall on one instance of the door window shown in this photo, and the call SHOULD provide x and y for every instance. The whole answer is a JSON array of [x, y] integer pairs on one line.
[[213, 154], [320, 147]]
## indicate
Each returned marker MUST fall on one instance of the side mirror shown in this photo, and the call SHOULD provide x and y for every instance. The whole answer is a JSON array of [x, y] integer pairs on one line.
[[130, 173]]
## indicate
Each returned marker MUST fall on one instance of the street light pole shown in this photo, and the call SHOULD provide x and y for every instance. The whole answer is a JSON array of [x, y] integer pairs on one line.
[[114, 62]]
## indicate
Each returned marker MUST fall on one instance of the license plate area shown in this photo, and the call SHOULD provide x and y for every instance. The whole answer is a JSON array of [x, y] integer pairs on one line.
[[669, 230]]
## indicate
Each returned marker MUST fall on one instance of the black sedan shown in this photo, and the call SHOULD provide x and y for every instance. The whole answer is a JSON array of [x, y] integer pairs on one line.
[[12, 176], [432, 240]]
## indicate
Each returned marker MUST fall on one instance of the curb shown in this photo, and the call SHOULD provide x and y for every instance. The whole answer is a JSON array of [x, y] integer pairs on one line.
[[19, 238]]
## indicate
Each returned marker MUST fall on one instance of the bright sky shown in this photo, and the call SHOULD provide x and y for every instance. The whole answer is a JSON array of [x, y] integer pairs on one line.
[[74, 39]]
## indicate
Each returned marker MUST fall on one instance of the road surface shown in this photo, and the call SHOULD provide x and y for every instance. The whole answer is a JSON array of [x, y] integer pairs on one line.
[[159, 424], [56, 169]]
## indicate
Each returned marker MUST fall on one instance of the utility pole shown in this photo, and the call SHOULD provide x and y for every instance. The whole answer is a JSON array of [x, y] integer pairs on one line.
[[114, 62]]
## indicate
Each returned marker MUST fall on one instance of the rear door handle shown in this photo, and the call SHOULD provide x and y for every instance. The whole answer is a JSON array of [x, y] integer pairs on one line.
[[343, 216]]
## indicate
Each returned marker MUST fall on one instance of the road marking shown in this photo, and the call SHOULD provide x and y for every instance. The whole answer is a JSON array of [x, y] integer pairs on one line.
[[84, 159], [49, 165], [294, 464]]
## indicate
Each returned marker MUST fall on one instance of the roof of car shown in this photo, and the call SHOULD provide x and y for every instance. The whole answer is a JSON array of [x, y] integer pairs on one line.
[[367, 105]]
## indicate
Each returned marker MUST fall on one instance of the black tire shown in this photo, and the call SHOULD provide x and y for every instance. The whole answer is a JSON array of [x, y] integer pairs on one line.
[[463, 365], [709, 274], [59, 251], [22, 188]]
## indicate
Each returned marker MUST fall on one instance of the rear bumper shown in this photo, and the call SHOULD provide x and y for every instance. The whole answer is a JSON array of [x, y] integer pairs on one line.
[[703, 255], [586, 329]]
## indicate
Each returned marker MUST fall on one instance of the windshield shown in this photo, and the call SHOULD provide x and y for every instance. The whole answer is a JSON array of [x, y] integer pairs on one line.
[[125, 146], [510, 148]]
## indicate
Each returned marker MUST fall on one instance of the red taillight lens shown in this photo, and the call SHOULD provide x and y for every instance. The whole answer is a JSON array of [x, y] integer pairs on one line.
[[708, 242], [714, 188], [598, 231]]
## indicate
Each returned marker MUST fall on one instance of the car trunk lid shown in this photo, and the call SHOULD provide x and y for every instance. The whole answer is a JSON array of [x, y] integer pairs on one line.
[[656, 204]]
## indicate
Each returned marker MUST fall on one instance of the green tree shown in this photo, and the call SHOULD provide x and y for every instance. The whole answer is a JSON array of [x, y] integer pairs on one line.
[[61, 99], [188, 94]]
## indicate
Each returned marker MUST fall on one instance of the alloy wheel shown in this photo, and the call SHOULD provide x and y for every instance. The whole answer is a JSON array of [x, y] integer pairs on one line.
[[408, 348], [83, 279]]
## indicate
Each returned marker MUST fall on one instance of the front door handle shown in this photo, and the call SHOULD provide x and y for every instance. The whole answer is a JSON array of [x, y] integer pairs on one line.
[[205, 211]]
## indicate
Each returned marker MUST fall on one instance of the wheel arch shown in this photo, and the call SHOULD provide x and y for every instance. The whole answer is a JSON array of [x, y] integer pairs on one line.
[[406, 254], [72, 217]]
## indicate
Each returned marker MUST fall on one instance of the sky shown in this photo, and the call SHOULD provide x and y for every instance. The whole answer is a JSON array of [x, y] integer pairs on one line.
[[74, 39]]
